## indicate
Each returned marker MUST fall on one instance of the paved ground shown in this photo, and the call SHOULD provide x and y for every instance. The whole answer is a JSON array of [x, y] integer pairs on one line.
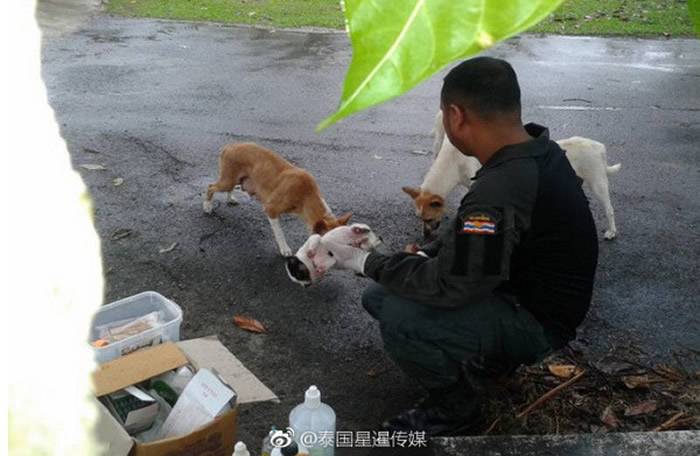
[[153, 101]]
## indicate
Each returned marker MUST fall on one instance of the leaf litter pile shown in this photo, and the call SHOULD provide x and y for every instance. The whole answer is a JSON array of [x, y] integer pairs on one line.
[[568, 394]]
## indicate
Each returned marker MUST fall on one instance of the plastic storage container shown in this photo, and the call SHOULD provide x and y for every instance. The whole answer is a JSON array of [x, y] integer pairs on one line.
[[134, 307]]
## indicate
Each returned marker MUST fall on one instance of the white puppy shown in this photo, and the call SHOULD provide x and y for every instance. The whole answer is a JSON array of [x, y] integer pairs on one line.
[[313, 260], [450, 168]]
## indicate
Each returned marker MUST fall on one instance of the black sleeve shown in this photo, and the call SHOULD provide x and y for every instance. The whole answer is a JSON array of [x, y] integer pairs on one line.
[[473, 259], [432, 248]]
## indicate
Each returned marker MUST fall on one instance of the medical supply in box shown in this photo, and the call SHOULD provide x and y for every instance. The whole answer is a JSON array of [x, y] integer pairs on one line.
[[139, 321], [134, 408], [206, 421]]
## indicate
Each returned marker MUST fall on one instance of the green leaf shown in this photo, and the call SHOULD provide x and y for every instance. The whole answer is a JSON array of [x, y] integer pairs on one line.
[[694, 11], [400, 43]]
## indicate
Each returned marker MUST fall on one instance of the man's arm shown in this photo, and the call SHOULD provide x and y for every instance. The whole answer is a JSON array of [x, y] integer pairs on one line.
[[473, 259], [419, 278], [431, 249]]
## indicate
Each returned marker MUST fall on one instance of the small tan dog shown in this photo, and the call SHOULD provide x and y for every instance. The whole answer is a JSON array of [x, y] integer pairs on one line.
[[281, 187]]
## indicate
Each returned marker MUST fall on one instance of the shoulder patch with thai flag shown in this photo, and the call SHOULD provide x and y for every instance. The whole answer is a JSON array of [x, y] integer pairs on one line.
[[479, 223]]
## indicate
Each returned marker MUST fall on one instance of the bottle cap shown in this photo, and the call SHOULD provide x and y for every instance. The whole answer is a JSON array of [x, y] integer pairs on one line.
[[312, 398], [240, 449]]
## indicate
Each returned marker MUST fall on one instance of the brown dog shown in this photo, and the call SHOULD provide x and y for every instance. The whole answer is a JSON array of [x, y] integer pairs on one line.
[[281, 187]]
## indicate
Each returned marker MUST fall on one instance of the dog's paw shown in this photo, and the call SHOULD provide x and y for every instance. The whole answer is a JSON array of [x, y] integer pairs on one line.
[[232, 201], [610, 235], [208, 207], [285, 252]]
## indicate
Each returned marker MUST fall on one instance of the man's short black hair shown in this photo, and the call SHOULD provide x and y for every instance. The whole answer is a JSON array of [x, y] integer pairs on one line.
[[484, 85]]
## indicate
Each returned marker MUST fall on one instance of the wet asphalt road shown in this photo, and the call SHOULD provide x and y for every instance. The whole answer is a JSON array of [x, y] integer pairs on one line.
[[153, 101]]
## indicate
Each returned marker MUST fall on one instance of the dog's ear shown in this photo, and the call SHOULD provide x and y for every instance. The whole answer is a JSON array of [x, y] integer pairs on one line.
[[359, 229], [320, 227], [314, 242], [411, 191], [345, 218]]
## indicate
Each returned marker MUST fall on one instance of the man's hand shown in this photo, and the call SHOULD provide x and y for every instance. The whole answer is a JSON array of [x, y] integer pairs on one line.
[[347, 257], [415, 249], [412, 248]]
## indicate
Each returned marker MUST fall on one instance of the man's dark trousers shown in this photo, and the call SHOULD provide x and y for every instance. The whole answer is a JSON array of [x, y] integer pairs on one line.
[[430, 343]]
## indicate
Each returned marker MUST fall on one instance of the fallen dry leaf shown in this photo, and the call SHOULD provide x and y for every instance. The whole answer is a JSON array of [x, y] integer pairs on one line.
[[169, 248], [637, 381], [92, 167], [608, 418], [669, 372], [612, 368], [121, 233], [249, 324], [641, 408], [562, 370]]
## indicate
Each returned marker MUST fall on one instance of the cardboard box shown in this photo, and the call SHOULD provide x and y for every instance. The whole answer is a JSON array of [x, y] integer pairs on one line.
[[215, 439]]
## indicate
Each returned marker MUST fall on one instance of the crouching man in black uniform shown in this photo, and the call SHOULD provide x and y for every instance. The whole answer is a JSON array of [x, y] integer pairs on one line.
[[509, 279]]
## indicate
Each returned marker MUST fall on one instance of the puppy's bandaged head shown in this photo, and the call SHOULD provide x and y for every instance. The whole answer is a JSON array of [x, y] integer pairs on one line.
[[313, 259], [357, 235]]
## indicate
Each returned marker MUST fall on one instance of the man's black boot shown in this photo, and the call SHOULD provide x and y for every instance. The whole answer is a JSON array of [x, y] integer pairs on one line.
[[453, 410]]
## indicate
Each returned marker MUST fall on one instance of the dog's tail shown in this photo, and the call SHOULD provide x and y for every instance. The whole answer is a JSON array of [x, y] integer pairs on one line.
[[438, 134], [613, 169], [609, 169]]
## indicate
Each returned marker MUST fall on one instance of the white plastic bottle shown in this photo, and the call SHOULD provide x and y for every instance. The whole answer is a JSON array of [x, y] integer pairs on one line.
[[314, 425], [240, 450]]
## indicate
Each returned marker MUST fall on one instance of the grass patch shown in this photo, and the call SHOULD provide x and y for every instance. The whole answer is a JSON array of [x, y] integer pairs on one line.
[[619, 17], [575, 17], [278, 13]]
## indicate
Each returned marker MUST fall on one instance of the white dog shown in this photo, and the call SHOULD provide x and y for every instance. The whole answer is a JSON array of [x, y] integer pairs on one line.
[[450, 167], [313, 260]]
